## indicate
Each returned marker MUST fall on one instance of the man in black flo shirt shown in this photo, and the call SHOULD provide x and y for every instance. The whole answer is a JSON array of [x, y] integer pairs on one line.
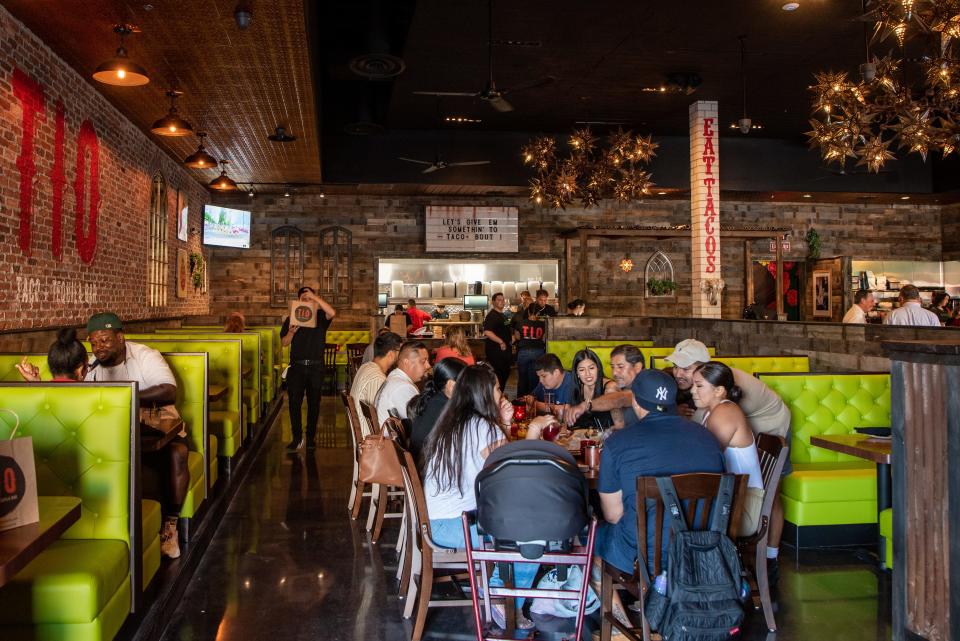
[[306, 373], [531, 342], [496, 331]]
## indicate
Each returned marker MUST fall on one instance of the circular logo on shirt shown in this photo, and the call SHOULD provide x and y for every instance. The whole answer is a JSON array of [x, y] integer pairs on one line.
[[12, 485]]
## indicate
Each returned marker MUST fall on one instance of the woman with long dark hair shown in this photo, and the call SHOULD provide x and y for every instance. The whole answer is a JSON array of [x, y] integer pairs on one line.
[[715, 392], [591, 384], [67, 360], [425, 408], [469, 428]]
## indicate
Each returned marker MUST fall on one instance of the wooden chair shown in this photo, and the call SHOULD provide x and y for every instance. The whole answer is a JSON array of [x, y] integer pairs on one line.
[[330, 367], [381, 494], [426, 556], [357, 493], [773, 451], [354, 360], [696, 491]]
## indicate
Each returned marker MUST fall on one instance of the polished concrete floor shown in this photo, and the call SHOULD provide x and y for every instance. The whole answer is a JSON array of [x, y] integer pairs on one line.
[[288, 563]]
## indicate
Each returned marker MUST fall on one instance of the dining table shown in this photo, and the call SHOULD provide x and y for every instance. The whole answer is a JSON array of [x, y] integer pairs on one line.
[[20, 545], [216, 392], [153, 439]]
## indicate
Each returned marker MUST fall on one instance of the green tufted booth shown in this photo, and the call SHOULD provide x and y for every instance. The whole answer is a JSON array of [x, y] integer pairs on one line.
[[251, 361], [826, 487], [150, 538], [565, 350], [276, 350], [223, 368], [86, 444], [341, 337], [754, 364]]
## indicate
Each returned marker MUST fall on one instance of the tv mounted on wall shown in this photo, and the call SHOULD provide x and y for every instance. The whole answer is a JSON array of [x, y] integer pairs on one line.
[[225, 227]]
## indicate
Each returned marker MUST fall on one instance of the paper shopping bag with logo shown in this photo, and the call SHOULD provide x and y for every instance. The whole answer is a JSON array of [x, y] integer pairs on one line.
[[18, 480]]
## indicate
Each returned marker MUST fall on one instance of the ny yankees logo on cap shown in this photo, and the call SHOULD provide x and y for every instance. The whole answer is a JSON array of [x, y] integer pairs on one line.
[[661, 393]]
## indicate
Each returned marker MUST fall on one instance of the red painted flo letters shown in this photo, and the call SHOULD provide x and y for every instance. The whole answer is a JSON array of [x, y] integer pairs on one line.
[[30, 95], [709, 156]]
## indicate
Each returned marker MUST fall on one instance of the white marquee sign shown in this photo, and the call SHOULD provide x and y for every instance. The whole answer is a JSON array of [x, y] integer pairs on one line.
[[472, 229]]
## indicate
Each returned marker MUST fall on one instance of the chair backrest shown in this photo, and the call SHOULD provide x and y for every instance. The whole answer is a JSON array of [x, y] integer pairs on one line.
[[397, 430], [354, 420], [773, 452], [355, 353], [697, 492], [330, 355], [370, 413], [416, 500]]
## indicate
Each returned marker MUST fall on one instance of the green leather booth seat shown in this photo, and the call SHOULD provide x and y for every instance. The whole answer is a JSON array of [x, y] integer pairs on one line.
[[268, 352], [565, 350], [223, 368], [276, 350], [190, 370], [886, 531], [85, 437], [753, 364], [151, 518], [829, 488], [250, 349]]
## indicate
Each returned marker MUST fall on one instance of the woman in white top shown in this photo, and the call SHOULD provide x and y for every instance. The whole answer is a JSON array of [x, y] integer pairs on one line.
[[469, 428], [715, 393]]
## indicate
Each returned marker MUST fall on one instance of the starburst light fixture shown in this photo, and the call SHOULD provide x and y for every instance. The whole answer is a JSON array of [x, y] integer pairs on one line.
[[867, 121], [626, 265], [590, 170]]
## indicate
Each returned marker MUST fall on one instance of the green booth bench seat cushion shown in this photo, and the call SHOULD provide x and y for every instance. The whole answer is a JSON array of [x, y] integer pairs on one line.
[[226, 426], [830, 493], [197, 490]]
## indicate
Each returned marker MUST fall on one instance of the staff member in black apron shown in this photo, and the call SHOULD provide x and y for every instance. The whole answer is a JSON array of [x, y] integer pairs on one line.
[[532, 344], [496, 331], [305, 375]]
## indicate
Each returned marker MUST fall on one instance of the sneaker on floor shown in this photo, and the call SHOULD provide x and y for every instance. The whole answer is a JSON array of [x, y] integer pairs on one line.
[[295, 445], [523, 623], [170, 539], [499, 613]]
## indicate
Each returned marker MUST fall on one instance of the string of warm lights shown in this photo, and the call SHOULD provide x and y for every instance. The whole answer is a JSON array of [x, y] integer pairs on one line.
[[867, 120], [590, 171]]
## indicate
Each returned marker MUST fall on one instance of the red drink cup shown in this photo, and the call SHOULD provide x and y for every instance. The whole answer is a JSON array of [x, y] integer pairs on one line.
[[550, 432]]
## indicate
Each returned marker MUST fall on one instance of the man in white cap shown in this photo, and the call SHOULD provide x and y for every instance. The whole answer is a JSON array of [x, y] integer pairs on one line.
[[765, 410]]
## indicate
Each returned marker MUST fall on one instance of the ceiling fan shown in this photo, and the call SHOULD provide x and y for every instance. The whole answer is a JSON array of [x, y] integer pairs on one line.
[[490, 94], [439, 163]]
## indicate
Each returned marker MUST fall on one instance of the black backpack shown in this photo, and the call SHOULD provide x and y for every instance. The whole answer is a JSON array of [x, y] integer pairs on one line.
[[703, 574]]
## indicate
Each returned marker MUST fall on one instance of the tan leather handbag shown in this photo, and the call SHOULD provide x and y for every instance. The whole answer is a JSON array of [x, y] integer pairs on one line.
[[379, 462]]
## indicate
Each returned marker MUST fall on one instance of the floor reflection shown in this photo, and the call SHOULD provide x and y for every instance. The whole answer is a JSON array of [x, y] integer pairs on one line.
[[288, 563]]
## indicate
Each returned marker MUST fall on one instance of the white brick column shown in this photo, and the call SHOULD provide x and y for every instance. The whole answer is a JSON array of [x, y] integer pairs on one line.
[[704, 204]]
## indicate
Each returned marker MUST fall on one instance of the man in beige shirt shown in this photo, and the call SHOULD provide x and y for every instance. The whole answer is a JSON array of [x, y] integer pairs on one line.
[[371, 376], [766, 414]]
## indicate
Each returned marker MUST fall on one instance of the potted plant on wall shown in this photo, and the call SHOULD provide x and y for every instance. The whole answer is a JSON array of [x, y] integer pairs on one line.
[[197, 268], [813, 244], [660, 287]]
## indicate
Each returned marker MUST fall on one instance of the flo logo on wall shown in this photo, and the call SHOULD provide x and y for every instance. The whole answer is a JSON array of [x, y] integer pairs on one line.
[[13, 485], [31, 97]]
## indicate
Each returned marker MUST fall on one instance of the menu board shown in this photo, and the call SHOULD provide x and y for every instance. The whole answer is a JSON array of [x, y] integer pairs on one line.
[[471, 229]]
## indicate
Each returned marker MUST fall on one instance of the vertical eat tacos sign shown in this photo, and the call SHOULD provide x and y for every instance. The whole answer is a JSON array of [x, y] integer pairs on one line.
[[704, 203]]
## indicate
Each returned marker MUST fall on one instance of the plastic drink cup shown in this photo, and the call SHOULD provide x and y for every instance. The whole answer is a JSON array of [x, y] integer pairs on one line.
[[550, 432], [591, 456]]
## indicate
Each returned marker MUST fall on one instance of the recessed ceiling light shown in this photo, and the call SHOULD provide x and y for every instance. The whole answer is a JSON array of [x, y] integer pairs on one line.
[[461, 119], [904, 197], [791, 6], [661, 193], [807, 196]]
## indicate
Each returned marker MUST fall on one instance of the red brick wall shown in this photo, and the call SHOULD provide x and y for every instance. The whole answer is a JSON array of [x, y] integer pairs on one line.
[[37, 288]]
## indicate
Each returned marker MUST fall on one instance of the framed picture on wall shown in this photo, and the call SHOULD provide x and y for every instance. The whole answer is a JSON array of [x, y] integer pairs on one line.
[[821, 294], [183, 219], [183, 273]]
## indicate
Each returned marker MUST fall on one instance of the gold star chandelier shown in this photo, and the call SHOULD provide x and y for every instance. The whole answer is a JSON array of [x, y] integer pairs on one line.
[[590, 171], [867, 119]]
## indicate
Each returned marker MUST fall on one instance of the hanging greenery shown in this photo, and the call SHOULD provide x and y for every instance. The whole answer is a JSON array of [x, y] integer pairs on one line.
[[813, 243], [197, 267], [657, 287]]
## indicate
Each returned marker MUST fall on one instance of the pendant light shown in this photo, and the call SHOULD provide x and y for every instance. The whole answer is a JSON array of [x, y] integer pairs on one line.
[[200, 159], [119, 70], [745, 124], [172, 124], [223, 182]]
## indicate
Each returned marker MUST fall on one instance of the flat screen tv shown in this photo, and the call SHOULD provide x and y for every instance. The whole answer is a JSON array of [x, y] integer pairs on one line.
[[381, 300], [225, 227], [471, 301]]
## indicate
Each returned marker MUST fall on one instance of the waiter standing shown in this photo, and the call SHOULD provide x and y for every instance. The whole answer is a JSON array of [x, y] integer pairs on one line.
[[496, 331], [306, 368]]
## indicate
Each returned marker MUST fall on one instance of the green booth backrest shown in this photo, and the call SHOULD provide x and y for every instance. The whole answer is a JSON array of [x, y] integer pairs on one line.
[[754, 364], [825, 403], [268, 352], [86, 443], [565, 350], [275, 332], [251, 350], [190, 370], [223, 364], [9, 362]]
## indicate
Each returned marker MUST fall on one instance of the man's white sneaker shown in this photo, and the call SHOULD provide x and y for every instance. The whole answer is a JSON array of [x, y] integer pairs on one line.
[[170, 539]]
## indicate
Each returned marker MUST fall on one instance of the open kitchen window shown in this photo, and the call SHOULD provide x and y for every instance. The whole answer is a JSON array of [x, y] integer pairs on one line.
[[286, 264]]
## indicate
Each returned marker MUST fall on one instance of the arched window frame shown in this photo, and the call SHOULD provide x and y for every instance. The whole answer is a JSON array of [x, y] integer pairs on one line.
[[286, 264], [658, 266], [336, 265], [158, 263]]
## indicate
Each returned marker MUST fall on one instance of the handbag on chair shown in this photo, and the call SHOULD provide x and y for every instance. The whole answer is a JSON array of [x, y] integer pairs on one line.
[[379, 462]]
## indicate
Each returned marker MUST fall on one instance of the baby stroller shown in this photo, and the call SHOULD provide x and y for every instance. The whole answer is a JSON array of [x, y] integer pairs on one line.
[[532, 503]]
